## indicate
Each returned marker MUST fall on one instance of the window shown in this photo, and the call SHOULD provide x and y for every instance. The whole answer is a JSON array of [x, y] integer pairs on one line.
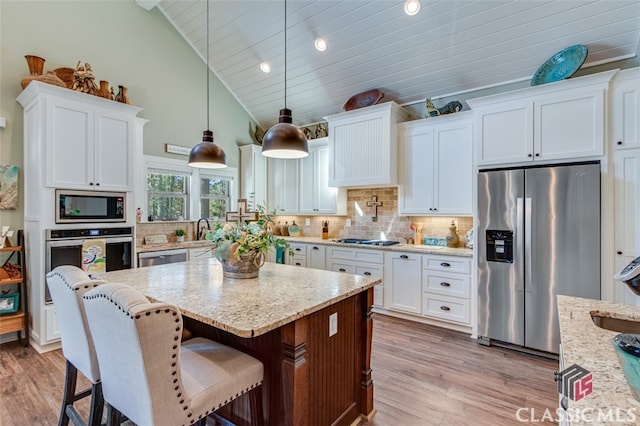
[[175, 191], [215, 196], [167, 194]]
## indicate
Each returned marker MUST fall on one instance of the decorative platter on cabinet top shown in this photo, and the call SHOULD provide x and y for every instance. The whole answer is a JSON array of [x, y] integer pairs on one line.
[[560, 66]]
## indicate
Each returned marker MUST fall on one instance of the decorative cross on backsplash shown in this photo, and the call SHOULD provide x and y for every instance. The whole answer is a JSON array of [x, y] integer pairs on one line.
[[375, 204], [242, 214]]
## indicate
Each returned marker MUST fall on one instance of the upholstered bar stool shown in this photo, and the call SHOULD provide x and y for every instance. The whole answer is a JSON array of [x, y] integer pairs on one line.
[[67, 284], [153, 378]]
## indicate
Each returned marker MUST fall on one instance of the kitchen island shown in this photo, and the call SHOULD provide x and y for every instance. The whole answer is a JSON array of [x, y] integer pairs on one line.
[[591, 347], [312, 377]]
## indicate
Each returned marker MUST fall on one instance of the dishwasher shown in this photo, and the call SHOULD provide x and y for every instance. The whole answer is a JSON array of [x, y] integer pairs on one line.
[[163, 257]]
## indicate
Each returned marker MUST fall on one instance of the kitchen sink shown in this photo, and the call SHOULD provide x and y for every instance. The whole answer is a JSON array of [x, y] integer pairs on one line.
[[616, 324]]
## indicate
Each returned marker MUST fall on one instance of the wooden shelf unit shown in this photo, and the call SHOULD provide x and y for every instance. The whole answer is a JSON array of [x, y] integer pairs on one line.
[[17, 321]]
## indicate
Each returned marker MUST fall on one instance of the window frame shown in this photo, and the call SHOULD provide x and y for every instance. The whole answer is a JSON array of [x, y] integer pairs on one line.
[[193, 186]]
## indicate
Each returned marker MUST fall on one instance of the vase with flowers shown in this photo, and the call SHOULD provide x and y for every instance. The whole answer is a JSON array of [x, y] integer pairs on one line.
[[241, 247]]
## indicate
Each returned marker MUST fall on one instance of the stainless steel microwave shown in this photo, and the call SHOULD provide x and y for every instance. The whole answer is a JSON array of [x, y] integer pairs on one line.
[[90, 206]]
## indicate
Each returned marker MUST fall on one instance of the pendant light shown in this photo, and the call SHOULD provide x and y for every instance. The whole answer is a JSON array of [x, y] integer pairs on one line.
[[284, 140], [207, 154]]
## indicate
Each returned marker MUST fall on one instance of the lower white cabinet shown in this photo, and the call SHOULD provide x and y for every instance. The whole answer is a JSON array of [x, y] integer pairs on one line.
[[358, 261], [199, 253], [402, 275], [52, 328], [315, 256], [446, 288]]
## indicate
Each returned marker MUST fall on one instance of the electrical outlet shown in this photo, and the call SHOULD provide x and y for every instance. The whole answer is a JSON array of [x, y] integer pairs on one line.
[[333, 324], [307, 222], [348, 223]]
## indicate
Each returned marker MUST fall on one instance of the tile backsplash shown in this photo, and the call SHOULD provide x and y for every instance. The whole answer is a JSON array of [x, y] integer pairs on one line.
[[389, 224]]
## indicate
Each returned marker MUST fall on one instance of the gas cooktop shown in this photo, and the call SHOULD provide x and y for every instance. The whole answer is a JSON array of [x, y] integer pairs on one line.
[[366, 242]]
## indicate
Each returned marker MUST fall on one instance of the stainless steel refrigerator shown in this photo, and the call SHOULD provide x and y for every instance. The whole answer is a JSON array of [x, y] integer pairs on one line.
[[538, 236]]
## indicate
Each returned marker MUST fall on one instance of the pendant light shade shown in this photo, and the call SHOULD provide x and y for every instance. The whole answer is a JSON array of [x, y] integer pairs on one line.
[[206, 154], [284, 140]]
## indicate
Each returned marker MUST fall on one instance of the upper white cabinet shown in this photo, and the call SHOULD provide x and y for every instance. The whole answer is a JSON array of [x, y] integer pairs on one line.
[[435, 166], [561, 120], [626, 108], [363, 146], [283, 188], [89, 142], [316, 196], [253, 174]]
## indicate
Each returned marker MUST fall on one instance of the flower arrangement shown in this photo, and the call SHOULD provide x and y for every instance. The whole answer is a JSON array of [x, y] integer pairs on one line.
[[235, 239]]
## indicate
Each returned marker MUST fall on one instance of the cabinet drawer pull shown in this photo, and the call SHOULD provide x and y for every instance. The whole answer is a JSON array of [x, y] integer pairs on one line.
[[298, 264], [404, 256], [619, 142], [316, 248], [445, 284], [445, 265], [367, 273], [619, 251], [445, 308], [298, 249], [342, 270]]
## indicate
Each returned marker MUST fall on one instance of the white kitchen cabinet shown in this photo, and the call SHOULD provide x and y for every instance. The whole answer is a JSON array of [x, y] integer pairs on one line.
[[402, 272], [626, 109], [89, 142], [363, 146], [299, 257], [316, 256], [316, 196], [626, 216], [358, 261], [253, 175], [199, 253], [283, 186], [555, 121], [435, 166], [446, 288]]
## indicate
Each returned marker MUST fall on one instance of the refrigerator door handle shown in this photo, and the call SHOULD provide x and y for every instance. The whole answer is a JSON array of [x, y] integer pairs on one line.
[[527, 246], [519, 237]]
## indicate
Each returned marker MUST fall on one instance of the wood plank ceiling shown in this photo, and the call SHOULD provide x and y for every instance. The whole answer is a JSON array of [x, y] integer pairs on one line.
[[447, 48]]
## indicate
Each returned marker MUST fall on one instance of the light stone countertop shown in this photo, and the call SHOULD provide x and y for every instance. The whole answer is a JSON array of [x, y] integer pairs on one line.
[[591, 347], [245, 307], [414, 248], [173, 245]]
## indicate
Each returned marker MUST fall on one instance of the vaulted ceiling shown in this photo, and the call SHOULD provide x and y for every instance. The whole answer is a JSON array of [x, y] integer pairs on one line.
[[449, 47]]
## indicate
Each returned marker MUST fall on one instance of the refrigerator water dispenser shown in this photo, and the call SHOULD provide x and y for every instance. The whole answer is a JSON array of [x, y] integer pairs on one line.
[[499, 246]]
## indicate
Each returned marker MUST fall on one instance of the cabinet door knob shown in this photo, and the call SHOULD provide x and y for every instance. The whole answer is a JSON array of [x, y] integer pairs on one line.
[[445, 308], [537, 154], [342, 270], [445, 265], [404, 256], [529, 155], [445, 284], [435, 209], [619, 142], [91, 183], [619, 251]]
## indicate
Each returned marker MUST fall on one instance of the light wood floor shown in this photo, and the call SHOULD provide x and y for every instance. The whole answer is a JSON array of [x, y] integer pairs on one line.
[[423, 375]]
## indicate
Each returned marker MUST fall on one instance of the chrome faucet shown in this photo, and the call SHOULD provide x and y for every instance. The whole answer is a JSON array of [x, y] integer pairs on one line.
[[199, 231]]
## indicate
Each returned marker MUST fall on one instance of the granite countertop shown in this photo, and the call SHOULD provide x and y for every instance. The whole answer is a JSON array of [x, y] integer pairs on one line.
[[415, 248], [591, 347], [245, 307]]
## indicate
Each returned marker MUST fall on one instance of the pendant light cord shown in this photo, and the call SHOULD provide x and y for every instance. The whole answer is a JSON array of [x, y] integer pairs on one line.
[[208, 128], [285, 54]]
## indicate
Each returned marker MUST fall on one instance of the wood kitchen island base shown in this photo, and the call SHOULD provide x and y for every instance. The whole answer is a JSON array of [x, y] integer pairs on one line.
[[310, 378], [280, 317]]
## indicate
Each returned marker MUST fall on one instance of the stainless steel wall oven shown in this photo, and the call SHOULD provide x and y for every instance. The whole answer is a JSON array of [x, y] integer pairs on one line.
[[64, 247]]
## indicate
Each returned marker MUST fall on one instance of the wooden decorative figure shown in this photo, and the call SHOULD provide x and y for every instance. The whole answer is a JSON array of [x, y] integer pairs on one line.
[[242, 215]]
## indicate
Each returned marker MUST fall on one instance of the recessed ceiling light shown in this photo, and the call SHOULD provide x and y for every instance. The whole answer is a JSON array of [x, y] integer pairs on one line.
[[412, 7], [321, 44], [265, 67]]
